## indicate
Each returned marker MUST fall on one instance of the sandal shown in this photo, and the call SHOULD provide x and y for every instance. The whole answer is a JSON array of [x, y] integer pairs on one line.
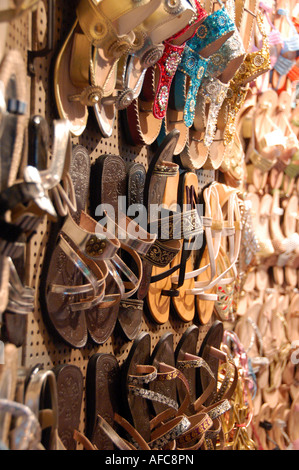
[[157, 33], [69, 382], [167, 223], [99, 37], [137, 373], [102, 387], [130, 315], [255, 64], [41, 397], [167, 66], [263, 152]]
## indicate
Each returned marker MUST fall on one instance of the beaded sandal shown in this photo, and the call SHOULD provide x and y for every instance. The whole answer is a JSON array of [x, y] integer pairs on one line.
[[255, 64], [217, 28], [155, 35], [169, 62]]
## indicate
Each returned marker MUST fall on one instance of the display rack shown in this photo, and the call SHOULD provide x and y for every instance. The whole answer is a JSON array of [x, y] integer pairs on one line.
[[30, 33]]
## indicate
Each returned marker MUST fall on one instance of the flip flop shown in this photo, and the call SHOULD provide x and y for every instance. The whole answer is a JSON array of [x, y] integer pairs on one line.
[[69, 380], [102, 388]]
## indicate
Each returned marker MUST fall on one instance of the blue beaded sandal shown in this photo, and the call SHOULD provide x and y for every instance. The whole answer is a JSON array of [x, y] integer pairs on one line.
[[217, 28]]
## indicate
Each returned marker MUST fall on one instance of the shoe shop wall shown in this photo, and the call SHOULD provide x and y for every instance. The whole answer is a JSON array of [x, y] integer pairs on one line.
[[32, 33]]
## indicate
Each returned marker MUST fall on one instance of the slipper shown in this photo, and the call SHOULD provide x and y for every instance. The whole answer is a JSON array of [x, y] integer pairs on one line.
[[69, 382], [102, 388], [159, 44], [160, 189], [282, 120], [182, 222], [278, 433], [290, 231], [221, 270], [292, 317], [264, 426], [268, 141], [109, 207], [107, 184], [262, 213]]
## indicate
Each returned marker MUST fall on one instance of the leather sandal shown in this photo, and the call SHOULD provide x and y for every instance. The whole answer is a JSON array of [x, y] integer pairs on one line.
[[110, 174], [137, 373], [102, 388], [130, 315], [69, 382]]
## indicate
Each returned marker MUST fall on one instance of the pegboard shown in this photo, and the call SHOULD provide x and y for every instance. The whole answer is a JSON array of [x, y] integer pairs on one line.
[[30, 32]]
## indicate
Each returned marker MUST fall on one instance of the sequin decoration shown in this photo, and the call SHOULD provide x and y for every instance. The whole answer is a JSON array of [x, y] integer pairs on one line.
[[212, 91], [163, 98], [172, 63], [232, 49], [215, 26], [167, 66]]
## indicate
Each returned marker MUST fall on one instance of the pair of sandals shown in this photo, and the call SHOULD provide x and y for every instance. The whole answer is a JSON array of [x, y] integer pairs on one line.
[[189, 283], [170, 398], [106, 252]]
